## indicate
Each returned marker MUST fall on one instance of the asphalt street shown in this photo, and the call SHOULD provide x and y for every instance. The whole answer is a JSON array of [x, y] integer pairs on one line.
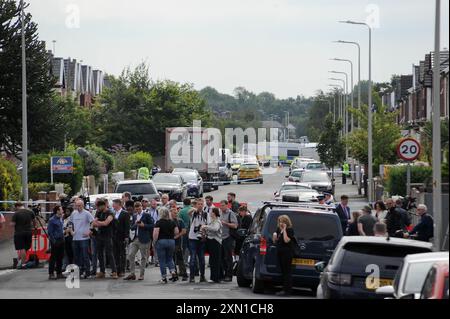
[[33, 283]]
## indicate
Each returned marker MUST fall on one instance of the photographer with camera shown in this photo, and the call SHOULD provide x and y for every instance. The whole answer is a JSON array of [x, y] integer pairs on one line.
[[197, 241], [55, 230], [23, 221], [104, 222]]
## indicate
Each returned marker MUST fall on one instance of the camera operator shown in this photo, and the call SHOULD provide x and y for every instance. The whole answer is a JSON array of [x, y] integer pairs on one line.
[[104, 221], [197, 241], [23, 221], [55, 229]]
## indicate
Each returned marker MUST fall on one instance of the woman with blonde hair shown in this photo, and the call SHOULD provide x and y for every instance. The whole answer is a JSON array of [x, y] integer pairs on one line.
[[164, 236], [284, 238]]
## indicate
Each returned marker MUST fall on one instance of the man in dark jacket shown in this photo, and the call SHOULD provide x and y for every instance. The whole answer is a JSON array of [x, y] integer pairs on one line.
[[343, 211], [142, 227], [394, 222], [406, 219], [424, 230], [121, 236], [55, 230]]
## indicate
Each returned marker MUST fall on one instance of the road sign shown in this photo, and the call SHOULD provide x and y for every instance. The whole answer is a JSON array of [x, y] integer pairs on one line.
[[408, 149], [62, 165]]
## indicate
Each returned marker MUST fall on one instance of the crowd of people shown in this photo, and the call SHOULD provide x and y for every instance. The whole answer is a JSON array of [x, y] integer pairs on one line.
[[385, 219], [175, 239]]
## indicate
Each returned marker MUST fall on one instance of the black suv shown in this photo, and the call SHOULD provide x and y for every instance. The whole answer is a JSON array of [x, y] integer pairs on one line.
[[317, 229], [357, 261]]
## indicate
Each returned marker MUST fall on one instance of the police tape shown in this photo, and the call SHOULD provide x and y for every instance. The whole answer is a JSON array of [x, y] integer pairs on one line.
[[237, 181]]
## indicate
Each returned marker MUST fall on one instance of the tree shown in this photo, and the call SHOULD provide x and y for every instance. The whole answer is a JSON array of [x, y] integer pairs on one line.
[[9, 181], [44, 113], [385, 136], [331, 148], [146, 109]]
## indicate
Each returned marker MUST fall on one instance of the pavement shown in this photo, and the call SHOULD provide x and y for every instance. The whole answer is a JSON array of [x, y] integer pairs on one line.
[[33, 283]]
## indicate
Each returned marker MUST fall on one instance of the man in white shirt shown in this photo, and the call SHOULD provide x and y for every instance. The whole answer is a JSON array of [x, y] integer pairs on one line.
[[208, 207], [81, 220]]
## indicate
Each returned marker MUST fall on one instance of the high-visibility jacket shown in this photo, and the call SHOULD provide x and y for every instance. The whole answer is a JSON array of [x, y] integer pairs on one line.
[[346, 169]]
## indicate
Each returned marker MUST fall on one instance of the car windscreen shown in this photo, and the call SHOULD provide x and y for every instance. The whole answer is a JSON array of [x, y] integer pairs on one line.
[[136, 189], [415, 277], [387, 257], [313, 227], [166, 178], [314, 165], [249, 166], [188, 176], [293, 187], [296, 174], [308, 177]]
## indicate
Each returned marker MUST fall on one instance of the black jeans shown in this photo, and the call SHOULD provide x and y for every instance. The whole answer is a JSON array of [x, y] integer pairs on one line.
[[214, 248], [179, 260], [120, 256], [104, 247], [227, 257], [285, 256], [56, 258]]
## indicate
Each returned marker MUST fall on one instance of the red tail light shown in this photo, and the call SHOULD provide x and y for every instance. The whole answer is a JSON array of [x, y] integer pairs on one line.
[[262, 246]]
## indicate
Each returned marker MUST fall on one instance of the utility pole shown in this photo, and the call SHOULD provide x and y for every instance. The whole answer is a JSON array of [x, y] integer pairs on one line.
[[24, 113]]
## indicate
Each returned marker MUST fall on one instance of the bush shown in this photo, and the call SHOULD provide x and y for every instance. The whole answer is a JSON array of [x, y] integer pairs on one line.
[[396, 182], [39, 170], [10, 185], [35, 188], [140, 159], [94, 165], [108, 160]]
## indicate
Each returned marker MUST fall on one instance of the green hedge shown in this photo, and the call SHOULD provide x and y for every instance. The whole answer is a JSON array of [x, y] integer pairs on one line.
[[9, 181], [396, 182], [140, 159], [35, 188], [39, 170]]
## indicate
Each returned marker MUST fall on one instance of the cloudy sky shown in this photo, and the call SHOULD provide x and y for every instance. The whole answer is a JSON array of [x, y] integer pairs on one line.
[[280, 46]]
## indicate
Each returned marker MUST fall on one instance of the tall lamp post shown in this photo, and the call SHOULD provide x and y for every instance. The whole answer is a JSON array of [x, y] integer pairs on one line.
[[437, 179], [352, 87], [24, 112], [341, 98], [338, 88], [369, 116], [359, 70]]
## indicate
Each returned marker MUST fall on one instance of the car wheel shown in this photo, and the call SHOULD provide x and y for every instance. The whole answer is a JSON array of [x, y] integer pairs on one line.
[[257, 285], [239, 183], [241, 280], [261, 181]]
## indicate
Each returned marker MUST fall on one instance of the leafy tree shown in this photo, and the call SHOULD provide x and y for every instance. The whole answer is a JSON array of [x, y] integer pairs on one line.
[[331, 148], [44, 113], [385, 136], [9, 180], [108, 159]]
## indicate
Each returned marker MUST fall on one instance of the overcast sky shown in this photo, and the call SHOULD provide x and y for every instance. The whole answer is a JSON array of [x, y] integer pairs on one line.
[[280, 46]]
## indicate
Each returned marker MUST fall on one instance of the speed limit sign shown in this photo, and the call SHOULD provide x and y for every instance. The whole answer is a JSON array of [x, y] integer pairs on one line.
[[408, 149]]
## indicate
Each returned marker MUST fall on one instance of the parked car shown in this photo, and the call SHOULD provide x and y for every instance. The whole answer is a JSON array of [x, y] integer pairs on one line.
[[250, 171], [300, 163], [194, 181], [318, 180], [172, 185], [410, 278], [298, 195], [358, 261], [137, 188], [436, 282], [286, 186], [295, 175], [110, 197], [317, 231]]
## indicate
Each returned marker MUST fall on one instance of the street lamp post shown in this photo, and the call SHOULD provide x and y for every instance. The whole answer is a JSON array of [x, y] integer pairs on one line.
[[340, 98], [345, 110], [352, 87], [369, 116], [359, 72], [338, 87], [437, 179], [24, 112]]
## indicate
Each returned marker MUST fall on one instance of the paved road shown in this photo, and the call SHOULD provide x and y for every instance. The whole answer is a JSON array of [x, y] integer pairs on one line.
[[33, 283]]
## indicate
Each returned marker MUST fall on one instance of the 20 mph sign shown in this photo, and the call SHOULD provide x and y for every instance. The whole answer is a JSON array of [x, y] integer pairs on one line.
[[408, 149]]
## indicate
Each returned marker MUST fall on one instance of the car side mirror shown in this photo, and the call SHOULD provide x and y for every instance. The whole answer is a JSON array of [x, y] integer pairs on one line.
[[387, 291], [320, 266]]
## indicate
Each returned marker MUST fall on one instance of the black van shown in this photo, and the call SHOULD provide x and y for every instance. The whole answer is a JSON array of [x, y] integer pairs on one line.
[[362, 264], [317, 229]]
